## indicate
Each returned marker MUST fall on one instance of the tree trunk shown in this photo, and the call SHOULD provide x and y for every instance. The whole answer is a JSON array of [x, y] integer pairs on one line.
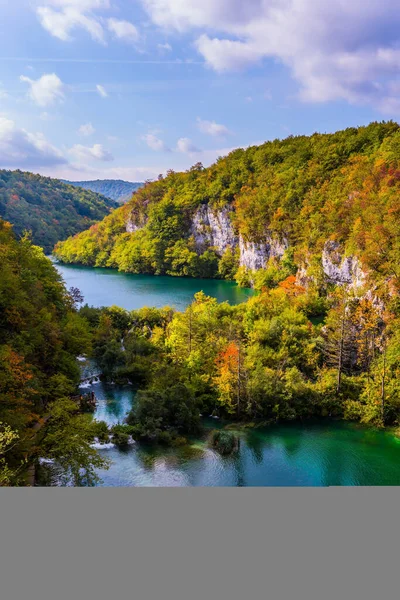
[[190, 329], [340, 361], [383, 386], [238, 393]]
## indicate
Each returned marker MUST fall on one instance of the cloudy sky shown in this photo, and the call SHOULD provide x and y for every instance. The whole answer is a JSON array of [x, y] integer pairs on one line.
[[130, 88]]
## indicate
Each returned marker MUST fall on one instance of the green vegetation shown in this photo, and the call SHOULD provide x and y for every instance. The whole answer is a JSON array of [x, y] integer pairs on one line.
[[224, 441], [115, 189], [303, 191], [260, 361], [41, 334], [48, 208]]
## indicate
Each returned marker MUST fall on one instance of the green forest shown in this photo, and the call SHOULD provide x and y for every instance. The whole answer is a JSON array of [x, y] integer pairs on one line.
[[49, 209], [41, 335], [307, 190]]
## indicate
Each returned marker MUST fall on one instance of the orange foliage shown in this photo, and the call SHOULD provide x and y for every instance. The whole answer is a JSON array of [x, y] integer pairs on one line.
[[228, 360], [290, 286]]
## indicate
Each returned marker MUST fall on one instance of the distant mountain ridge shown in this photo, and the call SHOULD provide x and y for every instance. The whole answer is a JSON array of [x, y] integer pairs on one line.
[[49, 209], [115, 189]]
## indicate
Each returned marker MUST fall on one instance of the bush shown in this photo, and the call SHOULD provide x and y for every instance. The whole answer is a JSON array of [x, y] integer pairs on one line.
[[243, 277], [101, 431], [353, 410], [224, 441], [120, 438], [121, 434]]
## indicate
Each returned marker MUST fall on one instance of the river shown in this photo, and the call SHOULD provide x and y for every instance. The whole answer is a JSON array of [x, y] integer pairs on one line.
[[294, 454]]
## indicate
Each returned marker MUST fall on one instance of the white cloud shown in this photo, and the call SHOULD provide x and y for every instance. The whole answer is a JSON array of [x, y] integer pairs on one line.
[[123, 30], [155, 143], [72, 15], [185, 14], [22, 149], [186, 146], [101, 90], [87, 129], [165, 47], [227, 55], [46, 90], [82, 4], [96, 152], [212, 128], [336, 50]]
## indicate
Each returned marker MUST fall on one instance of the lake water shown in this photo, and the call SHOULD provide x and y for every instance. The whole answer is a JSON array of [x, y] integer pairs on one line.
[[105, 287], [295, 454]]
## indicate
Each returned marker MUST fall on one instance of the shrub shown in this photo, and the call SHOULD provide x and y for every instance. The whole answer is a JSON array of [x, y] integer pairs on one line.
[[224, 441]]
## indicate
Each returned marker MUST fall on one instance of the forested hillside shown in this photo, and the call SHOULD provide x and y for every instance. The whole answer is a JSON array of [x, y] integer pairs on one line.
[[115, 189], [324, 208], [49, 209], [41, 335]]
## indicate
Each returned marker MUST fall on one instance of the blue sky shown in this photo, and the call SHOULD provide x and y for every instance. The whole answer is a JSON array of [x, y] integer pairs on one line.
[[130, 88]]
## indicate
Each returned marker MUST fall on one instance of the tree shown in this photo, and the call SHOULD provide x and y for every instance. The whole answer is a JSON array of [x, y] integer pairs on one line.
[[67, 439], [231, 377], [339, 338], [291, 287], [367, 323], [76, 295], [8, 439]]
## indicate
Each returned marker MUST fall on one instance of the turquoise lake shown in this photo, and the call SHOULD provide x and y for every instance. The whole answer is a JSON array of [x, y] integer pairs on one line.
[[105, 287]]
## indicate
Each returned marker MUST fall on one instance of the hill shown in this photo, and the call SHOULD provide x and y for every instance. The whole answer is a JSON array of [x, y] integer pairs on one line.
[[115, 189], [49, 209], [324, 208]]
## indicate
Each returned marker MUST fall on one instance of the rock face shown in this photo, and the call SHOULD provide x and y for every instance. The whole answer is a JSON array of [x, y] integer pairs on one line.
[[211, 228], [339, 269], [255, 256], [214, 228], [132, 224]]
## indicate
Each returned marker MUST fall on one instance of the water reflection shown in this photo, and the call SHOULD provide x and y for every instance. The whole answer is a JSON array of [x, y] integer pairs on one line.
[[240, 469], [296, 454], [113, 402]]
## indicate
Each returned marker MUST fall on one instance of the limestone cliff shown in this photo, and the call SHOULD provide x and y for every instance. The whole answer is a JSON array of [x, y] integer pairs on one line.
[[340, 269], [212, 228]]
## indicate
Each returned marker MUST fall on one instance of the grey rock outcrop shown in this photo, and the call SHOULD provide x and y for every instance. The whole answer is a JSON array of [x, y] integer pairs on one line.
[[340, 269], [213, 228]]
